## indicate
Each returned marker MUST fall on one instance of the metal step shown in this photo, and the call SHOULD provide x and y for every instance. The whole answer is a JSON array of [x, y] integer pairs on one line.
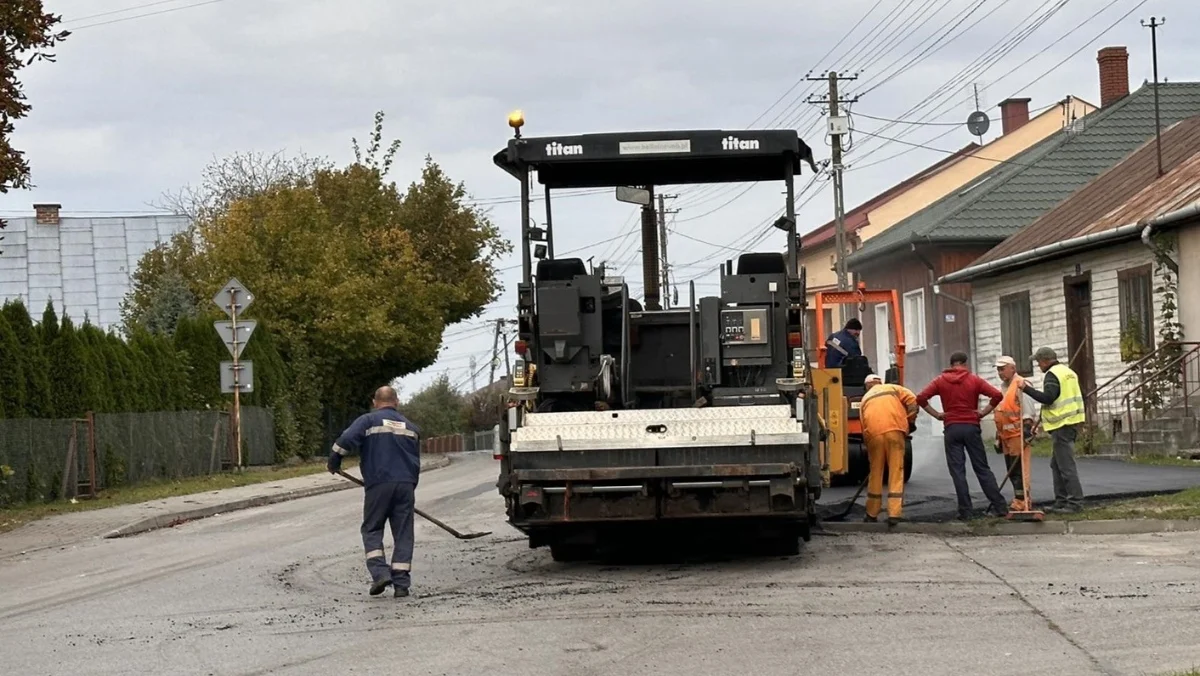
[[658, 415]]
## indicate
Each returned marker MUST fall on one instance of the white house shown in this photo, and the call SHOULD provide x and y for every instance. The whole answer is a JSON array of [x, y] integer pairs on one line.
[[1084, 278], [83, 265]]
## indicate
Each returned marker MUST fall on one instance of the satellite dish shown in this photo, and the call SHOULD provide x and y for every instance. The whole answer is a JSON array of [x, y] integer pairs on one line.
[[978, 123]]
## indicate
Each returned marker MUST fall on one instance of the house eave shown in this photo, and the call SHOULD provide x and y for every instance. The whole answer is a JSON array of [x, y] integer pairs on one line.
[[1129, 232]]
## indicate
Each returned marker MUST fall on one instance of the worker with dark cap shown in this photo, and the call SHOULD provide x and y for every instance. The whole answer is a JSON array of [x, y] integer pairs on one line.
[[960, 390], [843, 345], [1063, 413], [390, 448]]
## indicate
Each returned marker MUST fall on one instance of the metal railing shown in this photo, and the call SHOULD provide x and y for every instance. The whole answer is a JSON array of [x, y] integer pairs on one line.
[[1106, 404], [1166, 389]]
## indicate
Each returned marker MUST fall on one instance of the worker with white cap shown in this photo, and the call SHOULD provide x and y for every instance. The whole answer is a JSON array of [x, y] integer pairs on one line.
[[1014, 417], [888, 413]]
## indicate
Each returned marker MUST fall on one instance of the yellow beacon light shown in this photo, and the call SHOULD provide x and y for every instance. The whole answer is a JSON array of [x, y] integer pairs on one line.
[[516, 120]]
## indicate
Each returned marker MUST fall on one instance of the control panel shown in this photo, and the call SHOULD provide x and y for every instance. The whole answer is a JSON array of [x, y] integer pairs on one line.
[[744, 327]]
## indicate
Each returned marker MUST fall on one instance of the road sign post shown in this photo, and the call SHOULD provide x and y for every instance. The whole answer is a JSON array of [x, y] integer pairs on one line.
[[236, 376]]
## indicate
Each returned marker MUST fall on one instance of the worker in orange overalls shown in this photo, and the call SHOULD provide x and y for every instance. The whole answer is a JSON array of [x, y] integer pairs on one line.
[[1014, 418], [888, 413]]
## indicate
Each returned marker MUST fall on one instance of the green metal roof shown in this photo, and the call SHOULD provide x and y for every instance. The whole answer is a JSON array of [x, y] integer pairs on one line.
[[1016, 192]]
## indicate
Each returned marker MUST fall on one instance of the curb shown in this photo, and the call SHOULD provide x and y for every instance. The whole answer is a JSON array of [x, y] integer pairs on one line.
[[170, 519], [1098, 527]]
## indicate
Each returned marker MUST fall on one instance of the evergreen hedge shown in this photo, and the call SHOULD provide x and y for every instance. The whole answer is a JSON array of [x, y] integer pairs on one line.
[[57, 370]]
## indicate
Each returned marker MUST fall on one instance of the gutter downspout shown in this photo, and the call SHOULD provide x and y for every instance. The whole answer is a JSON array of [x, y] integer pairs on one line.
[[971, 354]]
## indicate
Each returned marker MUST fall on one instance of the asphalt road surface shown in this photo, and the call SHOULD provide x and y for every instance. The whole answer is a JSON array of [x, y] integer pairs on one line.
[[282, 590], [929, 494]]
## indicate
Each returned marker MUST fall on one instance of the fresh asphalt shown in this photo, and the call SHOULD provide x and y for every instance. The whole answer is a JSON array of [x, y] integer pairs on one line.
[[281, 589], [929, 494]]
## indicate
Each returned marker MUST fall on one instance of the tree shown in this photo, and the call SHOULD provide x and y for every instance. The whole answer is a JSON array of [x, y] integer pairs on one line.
[[67, 373], [27, 32], [38, 402], [12, 373], [438, 410]]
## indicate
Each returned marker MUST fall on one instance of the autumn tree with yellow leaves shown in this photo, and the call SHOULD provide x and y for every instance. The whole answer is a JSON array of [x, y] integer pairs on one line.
[[353, 275]]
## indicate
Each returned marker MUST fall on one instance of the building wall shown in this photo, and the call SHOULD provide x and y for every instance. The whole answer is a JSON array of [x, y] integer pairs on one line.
[[82, 265], [1187, 252], [970, 167], [946, 324], [1047, 305]]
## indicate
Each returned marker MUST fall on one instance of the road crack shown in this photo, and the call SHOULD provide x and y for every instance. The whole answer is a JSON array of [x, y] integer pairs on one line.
[[1099, 664]]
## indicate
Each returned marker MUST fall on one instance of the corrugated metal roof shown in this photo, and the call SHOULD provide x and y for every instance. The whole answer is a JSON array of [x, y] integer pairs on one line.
[[1117, 193], [1020, 190]]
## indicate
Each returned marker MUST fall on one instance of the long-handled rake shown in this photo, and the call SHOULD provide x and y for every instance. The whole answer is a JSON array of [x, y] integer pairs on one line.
[[458, 534]]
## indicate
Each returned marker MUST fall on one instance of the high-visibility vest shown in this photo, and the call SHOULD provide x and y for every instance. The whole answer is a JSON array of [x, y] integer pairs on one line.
[[1008, 413], [1068, 408]]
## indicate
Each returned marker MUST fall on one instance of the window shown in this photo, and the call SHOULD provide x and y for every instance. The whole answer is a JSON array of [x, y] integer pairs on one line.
[[914, 320], [1016, 335], [1135, 292]]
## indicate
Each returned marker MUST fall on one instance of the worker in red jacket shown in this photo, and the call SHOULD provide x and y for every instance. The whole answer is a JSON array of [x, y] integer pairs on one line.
[[960, 390]]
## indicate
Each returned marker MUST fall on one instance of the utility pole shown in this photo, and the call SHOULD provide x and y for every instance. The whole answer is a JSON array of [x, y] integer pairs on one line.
[[662, 245], [650, 276], [474, 372], [838, 126], [1153, 26], [495, 354]]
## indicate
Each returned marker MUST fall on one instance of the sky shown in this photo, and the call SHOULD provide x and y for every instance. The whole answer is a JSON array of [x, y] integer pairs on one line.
[[145, 94]]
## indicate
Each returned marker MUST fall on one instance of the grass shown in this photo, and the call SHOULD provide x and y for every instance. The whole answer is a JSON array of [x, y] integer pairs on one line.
[[19, 515], [1044, 448], [1182, 505]]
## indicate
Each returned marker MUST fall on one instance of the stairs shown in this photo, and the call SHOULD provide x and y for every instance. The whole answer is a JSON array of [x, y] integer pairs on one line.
[[1170, 431]]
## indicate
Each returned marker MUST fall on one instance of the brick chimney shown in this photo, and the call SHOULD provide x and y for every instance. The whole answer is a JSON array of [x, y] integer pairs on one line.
[[47, 214], [1014, 113], [1114, 74]]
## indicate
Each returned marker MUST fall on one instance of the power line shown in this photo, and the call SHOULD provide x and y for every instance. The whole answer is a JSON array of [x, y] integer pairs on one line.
[[134, 8], [147, 14]]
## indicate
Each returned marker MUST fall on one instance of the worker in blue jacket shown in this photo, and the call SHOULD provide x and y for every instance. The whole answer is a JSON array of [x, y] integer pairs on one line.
[[390, 447], [843, 344]]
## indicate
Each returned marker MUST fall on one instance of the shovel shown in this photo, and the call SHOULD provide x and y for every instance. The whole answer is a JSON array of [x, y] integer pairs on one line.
[[439, 524]]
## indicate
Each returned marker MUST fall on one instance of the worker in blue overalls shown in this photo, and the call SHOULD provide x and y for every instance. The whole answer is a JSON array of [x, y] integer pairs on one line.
[[843, 345], [390, 447]]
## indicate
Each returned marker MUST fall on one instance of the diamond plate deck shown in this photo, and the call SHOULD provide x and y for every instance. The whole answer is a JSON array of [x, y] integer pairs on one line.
[[657, 415]]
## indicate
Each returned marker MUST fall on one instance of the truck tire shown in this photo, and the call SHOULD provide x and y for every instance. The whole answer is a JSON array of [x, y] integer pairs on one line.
[[567, 552]]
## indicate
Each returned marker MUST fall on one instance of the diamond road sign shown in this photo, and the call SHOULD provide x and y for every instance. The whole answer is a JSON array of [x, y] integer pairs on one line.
[[245, 378], [233, 291], [245, 328]]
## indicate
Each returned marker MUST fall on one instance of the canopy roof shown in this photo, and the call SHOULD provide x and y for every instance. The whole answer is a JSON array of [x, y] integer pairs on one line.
[[657, 157]]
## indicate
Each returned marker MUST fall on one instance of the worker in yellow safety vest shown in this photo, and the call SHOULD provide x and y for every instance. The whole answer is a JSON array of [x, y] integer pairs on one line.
[[1014, 418], [1062, 416], [888, 413]]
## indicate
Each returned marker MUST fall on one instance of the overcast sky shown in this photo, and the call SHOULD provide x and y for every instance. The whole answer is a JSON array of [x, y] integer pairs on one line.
[[139, 101]]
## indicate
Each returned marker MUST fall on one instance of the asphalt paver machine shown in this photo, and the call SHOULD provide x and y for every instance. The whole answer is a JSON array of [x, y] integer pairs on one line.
[[627, 420]]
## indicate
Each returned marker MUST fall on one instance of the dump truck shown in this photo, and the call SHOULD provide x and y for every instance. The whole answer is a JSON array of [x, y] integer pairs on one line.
[[624, 420]]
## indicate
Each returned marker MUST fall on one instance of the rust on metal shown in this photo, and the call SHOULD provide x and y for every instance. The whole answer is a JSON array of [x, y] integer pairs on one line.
[[661, 472]]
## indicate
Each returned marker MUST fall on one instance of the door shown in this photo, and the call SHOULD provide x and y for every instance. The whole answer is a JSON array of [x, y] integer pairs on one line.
[[1078, 292], [883, 341]]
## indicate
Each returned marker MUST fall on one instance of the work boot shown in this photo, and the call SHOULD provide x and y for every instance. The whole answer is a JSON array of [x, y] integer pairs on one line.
[[401, 592], [378, 586], [870, 519], [893, 520]]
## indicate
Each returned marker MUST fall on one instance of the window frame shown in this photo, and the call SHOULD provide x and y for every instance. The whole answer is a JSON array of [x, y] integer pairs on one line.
[[910, 342], [1124, 277], [1024, 358]]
